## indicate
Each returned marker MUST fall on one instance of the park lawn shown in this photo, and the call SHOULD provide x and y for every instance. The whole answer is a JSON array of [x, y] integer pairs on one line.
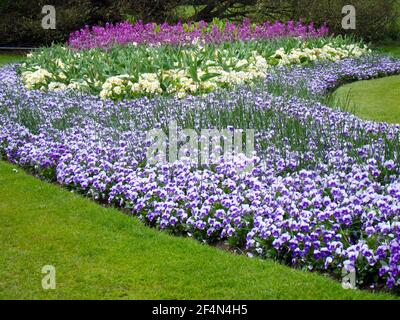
[[377, 99], [10, 58], [101, 253], [373, 99], [389, 47], [393, 50]]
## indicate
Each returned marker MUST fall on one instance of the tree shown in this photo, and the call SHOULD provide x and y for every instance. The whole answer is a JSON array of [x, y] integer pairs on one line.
[[223, 9], [20, 21], [376, 19], [165, 10]]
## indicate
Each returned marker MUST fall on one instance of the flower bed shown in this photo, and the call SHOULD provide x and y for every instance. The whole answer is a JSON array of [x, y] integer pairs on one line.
[[324, 192], [188, 33], [177, 71]]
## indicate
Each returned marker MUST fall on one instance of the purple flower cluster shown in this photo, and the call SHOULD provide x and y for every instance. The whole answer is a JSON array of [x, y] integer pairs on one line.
[[181, 34], [321, 78], [327, 201]]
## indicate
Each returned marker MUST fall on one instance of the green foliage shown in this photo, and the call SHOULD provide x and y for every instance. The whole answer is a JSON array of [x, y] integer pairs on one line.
[[93, 67], [20, 21], [376, 20]]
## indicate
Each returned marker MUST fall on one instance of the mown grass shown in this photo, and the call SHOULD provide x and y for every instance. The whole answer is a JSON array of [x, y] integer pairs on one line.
[[100, 253], [375, 99], [9, 58], [389, 47]]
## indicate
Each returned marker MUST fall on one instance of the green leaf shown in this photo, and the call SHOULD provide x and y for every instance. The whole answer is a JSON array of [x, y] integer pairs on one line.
[[209, 76]]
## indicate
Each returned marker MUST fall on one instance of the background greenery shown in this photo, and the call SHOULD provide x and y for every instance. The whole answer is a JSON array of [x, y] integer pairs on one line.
[[20, 20]]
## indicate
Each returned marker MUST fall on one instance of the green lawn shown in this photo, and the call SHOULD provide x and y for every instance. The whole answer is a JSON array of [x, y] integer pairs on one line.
[[389, 47], [8, 58], [373, 99], [100, 253]]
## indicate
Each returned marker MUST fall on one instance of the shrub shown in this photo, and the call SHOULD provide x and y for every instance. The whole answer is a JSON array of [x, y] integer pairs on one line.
[[375, 19]]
